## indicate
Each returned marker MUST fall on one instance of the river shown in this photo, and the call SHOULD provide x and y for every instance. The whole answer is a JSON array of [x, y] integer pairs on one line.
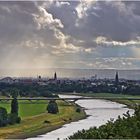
[[100, 112]]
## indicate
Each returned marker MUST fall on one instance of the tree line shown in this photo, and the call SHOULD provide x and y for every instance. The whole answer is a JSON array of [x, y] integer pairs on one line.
[[31, 90]]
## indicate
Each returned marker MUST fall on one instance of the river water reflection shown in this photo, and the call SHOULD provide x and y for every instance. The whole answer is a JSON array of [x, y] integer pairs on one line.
[[100, 112]]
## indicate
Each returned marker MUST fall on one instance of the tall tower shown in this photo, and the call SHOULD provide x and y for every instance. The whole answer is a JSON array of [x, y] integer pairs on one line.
[[116, 79], [55, 76]]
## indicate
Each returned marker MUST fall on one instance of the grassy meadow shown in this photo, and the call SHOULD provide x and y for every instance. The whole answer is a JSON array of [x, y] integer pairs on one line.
[[27, 109], [34, 116]]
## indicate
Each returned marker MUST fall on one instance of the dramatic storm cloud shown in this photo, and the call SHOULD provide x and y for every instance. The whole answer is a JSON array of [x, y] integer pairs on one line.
[[70, 34]]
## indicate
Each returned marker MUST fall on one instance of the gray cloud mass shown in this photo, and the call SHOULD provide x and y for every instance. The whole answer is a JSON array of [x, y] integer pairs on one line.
[[77, 34]]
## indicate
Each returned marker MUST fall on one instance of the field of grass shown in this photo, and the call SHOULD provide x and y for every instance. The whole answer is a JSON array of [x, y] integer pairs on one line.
[[27, 109], [33, 117]]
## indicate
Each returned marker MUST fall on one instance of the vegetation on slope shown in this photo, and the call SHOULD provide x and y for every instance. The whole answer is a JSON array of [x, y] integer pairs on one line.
[[127, 127]]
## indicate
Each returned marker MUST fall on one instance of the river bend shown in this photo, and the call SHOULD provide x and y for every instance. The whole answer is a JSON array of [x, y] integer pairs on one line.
[[99, 111]]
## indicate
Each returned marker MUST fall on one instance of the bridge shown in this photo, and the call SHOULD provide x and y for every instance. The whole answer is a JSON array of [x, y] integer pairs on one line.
[[69, 99]]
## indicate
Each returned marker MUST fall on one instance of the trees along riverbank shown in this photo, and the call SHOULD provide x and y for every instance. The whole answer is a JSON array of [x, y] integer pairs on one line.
[[36, 120], [127, 127]]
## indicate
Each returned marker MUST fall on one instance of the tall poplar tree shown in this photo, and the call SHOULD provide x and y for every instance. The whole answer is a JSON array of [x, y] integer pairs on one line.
[[14, 106]]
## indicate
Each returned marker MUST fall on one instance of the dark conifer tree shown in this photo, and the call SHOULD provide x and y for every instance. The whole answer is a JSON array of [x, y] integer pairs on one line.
[[14, 106]]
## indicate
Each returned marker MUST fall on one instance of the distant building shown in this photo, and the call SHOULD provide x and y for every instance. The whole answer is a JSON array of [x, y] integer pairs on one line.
[[40, 81], [55, 76], [116, 79], [94, 77]]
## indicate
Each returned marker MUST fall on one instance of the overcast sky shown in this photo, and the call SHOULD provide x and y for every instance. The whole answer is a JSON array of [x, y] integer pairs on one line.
[[70, 34]]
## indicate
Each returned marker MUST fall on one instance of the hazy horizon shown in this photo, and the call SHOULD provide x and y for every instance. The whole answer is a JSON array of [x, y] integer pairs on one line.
[[71, 73]]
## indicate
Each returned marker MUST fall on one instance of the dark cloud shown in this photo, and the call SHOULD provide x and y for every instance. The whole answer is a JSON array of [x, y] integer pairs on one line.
[[15, 22], [58, 31], [109, 20], [102, 19]]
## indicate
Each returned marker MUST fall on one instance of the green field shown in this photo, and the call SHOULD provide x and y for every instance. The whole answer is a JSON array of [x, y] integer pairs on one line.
[[33, 117], [27, 109]]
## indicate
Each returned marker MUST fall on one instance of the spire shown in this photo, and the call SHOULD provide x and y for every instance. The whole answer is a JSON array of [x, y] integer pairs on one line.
[[55, 76], [116, 78]]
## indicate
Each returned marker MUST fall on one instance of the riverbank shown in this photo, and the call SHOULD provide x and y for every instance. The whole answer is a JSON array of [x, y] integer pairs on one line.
[[42, 123]]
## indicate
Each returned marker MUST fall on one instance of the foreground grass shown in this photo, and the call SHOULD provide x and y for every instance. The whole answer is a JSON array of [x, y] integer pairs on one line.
[[33, 117]]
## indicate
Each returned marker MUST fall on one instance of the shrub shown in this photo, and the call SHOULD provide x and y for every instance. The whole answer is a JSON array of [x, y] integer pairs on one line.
[[78, 110], [18, 120], [13, 118], [46, 121], [3, 117], [52, 107]]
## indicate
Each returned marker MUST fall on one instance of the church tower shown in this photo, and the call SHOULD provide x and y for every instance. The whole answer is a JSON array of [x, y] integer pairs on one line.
[[116, 79], [55, 76]]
